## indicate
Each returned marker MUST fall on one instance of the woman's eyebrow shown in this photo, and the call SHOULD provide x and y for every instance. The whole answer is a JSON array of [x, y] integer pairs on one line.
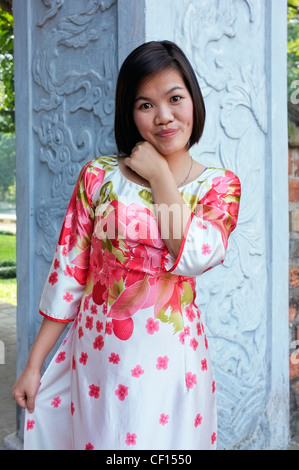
[[145, 98]]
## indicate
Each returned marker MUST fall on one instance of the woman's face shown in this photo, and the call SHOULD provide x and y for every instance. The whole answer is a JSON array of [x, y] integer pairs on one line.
[[163, 112]]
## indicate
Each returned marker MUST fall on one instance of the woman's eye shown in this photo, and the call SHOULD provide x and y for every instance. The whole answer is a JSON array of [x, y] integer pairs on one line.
[[175, 99], [145, 106]]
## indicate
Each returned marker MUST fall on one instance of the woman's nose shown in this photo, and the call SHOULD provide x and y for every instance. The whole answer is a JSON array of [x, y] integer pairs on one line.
[[163, 115]]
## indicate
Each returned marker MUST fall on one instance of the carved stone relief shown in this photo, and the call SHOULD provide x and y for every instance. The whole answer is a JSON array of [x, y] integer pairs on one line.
[[74, 71], [225, 41]]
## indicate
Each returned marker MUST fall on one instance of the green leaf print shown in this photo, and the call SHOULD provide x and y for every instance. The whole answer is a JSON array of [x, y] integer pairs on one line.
[[187, 297], [108, 162], [191, 200], [175, 318], [107, 194], [114, 291], [146, 196]]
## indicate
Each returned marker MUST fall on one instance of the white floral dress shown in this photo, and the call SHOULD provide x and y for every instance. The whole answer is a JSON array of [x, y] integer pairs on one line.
[[134, 370]]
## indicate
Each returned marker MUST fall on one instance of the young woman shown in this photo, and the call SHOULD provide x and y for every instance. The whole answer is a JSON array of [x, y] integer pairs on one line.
[[134, 370]]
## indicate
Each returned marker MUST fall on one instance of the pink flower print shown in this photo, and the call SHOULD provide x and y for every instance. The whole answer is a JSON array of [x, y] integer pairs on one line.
[[213, 386], [131, 439], [89, 446], [56, 264], [64, 251], [80, 332], [137, 371], [69, 271], [182, 338], [151, 326], [53, 278], [68, 297], [190, 379], [206, 249], [56, 402], [213, 438], [89, 322], [162, 363], [83, 358], [187, 331], [94, 309], [114, 358], [74, 363], [190, 313], [30, 424], [109, 328], [60, 357], [94, 391], [163, 419], [86, 304], [193, 344], [198, 327], [204, 364], [72, 408], [98, 343], [121, 392], [198, 420], [206, 342], [99, 326]]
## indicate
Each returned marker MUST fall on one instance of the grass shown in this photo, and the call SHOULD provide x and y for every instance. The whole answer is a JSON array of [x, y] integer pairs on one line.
[[8, 291], [8, 287], [7, 247]]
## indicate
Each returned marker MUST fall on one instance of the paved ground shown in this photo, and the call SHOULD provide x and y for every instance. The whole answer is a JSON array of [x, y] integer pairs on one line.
[[7, 370]]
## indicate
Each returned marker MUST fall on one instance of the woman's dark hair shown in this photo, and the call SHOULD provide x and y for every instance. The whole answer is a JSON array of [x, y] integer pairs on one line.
[[146, 60]]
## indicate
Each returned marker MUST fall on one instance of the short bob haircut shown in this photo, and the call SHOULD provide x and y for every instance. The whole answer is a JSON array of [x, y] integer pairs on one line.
[[149, 59]]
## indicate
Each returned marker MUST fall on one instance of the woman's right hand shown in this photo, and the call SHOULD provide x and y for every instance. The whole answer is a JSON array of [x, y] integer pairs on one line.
[[25, 389]]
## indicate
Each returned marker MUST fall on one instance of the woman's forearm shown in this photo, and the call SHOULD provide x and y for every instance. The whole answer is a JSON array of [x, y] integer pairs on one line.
[[47, 337], [172, 212]]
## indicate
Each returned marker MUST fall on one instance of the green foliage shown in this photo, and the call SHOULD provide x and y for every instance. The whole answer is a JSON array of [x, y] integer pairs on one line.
[[293, 44], [7, 167], [7, 256], [6, 72]]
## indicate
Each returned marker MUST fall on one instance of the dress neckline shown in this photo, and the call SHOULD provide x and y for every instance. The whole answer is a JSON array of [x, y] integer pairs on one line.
[[133, 183]]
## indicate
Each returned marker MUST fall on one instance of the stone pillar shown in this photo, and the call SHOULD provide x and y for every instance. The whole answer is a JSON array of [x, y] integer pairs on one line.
[[67, 57]]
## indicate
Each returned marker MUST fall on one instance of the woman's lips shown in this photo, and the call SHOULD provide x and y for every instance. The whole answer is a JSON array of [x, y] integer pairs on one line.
[[167, 133]]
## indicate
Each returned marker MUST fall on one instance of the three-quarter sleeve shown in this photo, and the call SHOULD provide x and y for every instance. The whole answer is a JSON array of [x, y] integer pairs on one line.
[[206, 236], [67, 277]]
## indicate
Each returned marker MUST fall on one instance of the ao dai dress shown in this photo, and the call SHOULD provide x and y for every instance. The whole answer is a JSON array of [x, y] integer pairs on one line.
[[134, 370]]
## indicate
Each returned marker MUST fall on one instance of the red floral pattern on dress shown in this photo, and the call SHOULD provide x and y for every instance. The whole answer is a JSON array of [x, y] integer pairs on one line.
[[121, 392], [198, 420], [164, 418], [133, 319], [94, 391], [190, 379], [56, 402], [30, 424], [60, 357], [131, 439], [162, 363], [114, 358], [53, 278], [137, 371], [89, 446]]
